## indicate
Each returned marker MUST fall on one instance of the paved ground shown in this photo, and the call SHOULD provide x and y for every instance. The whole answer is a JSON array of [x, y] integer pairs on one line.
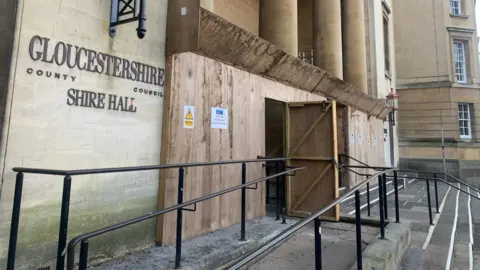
[[449, 242], [338, 248]]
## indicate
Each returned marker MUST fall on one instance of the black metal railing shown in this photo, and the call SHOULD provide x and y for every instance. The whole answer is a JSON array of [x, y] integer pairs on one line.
[[381, 175], [65, 204], [317, 224]]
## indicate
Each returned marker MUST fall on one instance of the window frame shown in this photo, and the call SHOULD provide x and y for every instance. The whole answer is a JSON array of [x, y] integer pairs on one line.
[[462, 63], [459, 8], [468, 120]]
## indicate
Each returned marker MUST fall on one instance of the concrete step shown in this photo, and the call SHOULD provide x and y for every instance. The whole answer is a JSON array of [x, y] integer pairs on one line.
[[413, 259]]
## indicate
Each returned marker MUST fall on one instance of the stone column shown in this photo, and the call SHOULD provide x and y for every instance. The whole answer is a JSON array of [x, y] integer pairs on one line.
[[207, 4], [354, 47], [278, 24], [327, 36]]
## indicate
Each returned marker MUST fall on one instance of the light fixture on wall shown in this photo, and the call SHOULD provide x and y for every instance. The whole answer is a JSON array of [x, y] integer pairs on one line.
[[126, 11], [392, 103]]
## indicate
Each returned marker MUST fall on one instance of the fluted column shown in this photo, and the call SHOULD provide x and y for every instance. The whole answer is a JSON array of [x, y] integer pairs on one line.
[[278, 24], [327, 36], [354, 47], [207, 4]]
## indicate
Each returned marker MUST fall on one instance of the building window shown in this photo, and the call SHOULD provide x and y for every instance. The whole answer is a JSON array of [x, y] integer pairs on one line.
[[464, 120], [456, 7], [386, 44], [460, 61]]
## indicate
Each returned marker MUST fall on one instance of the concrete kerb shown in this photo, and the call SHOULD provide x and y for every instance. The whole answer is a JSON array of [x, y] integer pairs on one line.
[[388, 253]]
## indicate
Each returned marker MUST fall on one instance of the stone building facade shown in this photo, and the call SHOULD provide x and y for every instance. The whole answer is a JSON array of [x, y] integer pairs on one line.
[[436, 48], [72, 97]]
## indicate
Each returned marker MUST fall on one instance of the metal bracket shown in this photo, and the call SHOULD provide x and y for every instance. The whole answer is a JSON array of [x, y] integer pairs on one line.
[[291, 174], [256, 186], [191, 210], [125, 11]]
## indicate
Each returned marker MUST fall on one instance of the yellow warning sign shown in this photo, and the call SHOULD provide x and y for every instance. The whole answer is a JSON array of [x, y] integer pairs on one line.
[[188, 116]]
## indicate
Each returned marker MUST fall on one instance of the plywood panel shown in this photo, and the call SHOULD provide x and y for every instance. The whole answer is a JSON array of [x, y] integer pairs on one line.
[[205, 83], [310, 135], [374, 154]]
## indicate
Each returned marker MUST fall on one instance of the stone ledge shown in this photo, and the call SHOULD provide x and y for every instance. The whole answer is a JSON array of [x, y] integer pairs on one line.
[[203, 252], [388, 253]]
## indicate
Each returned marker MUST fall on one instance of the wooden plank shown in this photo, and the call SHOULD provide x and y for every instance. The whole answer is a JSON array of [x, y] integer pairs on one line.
[[312, 185], [204, 83], [309, 131], [169, 69], [335, 156], [289, 163]]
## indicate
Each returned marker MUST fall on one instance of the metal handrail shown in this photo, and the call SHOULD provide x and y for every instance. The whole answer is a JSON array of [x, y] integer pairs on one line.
[[65, 205], [461, 182], [303, 222], [84, 237], [139, 168], [361, 162]]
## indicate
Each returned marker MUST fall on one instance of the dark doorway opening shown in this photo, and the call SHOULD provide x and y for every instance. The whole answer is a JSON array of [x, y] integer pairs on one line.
[[275, 125]]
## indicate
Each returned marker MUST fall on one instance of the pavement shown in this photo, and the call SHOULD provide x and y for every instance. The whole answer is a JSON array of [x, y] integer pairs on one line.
[[338, 248], [449, 243]]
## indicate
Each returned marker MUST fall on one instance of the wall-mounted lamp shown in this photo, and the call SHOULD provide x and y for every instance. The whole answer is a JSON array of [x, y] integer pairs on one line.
[[392, 103], [126, 11]]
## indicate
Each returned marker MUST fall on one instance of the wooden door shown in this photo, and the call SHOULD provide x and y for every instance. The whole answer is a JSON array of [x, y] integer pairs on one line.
[[311, 142]]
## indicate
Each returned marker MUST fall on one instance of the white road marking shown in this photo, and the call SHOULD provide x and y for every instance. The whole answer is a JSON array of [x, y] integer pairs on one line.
[[363, 193], [405, 202], [452, 236], [435, 220], [376, 200], [412, 180], [419, 191], [419, 201], [470, 245]]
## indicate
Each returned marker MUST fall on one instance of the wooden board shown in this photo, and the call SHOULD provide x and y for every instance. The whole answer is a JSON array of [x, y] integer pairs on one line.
[[204, 83], [312, 143]]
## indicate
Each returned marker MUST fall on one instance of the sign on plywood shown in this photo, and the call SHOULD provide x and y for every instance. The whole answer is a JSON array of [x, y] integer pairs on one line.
[[219, 118], [352, 138], [188, 116], [360, 139]]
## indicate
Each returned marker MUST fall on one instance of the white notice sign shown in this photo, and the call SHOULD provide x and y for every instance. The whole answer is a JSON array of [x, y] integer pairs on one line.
[[359, 139], [188, 116], [219, 118], [375, 140], [352, 138]]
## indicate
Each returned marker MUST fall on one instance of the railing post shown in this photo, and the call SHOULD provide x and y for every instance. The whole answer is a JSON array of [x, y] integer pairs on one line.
[[284, 193], [358, 229], [368, 199], [178, 245], [429, 202], [277, 189], [397, 207], [380, 201], [436, 192], [62, 235], [267, 173], [244, 201], [385, 197], [318, 244], [83, 255], [17, 201]]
